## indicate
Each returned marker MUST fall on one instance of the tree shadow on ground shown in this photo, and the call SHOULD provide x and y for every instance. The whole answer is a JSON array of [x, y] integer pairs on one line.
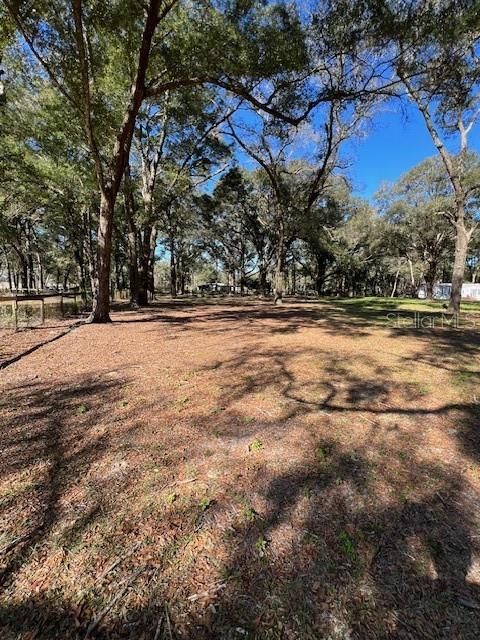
[[346, 544], [64, 477], [356, 319], [352, 567], [343, 548], [48, 442]]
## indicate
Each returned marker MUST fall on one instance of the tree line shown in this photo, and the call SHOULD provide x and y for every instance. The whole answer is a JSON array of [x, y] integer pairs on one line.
[[215, 130]]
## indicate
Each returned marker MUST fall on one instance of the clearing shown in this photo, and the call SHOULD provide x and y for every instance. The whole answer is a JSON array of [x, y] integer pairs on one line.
[[227, 469]]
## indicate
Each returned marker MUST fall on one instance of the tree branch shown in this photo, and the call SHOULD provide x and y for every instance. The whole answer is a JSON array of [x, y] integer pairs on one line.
[[86, 95]]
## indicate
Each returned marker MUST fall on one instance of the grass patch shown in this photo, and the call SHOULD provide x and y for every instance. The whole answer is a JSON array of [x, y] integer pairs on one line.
[[255, 445], [348, 547], [464, 377], [82, 408]]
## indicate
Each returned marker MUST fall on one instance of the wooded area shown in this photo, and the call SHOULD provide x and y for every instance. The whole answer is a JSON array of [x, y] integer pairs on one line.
[[211, 134]]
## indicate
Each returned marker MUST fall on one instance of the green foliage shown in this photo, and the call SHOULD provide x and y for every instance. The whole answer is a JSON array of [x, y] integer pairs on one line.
[[205, 503], [255, 445], [249, 513], [348, 547], [190, 196], [82, 408], [464, 377], [261, 546], [171, 498], [307, 492], [323, 455]]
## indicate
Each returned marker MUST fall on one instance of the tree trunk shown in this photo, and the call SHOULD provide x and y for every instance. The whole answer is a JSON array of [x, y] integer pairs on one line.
[[151, 262], [101, 304], [40, 271], [262, 276], [143, 266], [395, 282], [182, 280], [31, 271], [242, 272], [430, 277], [132, 238], [173, 270], [66, 276], [412, 277], [280, 264], [147, 263], [9, 272], [82, 280], [462, 238], [320, 273], [24, 274], [133, 264]]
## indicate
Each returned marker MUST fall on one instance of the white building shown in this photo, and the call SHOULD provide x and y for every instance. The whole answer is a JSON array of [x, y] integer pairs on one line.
[[443, 291]]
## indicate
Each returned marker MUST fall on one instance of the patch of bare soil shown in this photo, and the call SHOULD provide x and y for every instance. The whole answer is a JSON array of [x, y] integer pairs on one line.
[[201, 471]]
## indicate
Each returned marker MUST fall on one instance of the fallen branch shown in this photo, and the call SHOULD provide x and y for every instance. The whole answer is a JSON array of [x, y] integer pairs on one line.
[[169, 626], [159, 627], [94, 624], [119, 560], [178, 482], [469, 604], [8, 547]]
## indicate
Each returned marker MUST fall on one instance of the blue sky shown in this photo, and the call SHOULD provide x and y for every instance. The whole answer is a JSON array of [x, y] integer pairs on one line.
[[394, 143]]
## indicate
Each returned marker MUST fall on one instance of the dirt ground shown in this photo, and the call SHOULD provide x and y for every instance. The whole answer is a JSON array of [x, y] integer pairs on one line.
[[222, 470], [14, 343]]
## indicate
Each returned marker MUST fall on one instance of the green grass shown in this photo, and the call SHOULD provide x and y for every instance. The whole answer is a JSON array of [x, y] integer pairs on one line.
[[389, 311], [464, 377], [249, 513], [347, 545], [82, 408], [255, 445]]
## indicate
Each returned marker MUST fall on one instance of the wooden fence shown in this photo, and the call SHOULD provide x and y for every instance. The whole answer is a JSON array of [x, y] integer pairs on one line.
[[14, 300]]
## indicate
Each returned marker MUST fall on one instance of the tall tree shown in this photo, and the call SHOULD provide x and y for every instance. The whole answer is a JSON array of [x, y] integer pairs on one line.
[[106, 69], [419, 208], [434, 54]]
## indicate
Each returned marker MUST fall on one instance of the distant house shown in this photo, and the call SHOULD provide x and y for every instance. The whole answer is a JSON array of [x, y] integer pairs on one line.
[[443, 291], [218, 287]]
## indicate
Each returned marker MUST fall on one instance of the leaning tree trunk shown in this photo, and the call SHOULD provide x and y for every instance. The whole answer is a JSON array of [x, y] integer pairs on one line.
[[395, 283], [101, 304], [462, 238]]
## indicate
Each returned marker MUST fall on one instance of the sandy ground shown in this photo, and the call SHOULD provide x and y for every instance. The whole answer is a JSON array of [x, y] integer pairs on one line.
[[201, 471]]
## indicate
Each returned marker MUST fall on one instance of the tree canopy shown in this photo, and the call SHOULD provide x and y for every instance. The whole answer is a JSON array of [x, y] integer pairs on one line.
[[211, 135]]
